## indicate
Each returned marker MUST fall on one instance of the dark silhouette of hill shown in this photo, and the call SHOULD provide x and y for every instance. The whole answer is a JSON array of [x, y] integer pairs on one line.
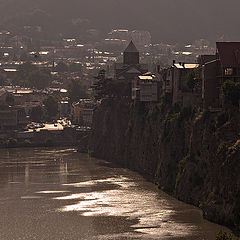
[[167, 20]]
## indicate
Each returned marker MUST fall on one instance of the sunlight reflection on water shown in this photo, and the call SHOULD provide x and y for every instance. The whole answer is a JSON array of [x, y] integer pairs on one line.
[[129, 201], [63, 193]]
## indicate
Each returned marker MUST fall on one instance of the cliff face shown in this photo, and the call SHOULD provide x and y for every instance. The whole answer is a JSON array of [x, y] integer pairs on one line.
[[209, 175], [194, 156]]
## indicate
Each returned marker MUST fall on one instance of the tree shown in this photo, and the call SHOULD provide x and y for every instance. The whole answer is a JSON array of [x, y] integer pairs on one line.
[[231, 92], [11, 143], [38, 79], [224, 236], [10, 99], [75, 67], [100, 88], [24, 56], [2, 80], [31, 76], [107, 87], [36, 114], [62, 67], [21, 78], [100, 85], [25, 69], [76, 90], [51, 106]]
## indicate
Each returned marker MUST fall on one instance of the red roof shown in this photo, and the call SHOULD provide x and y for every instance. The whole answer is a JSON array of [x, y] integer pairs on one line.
[[229, 53]]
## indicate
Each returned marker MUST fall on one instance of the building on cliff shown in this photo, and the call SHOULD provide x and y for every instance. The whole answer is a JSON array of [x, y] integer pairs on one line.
[[226, 66], [131, 66], [146, 88], [130, 69], [182, 83], [199, 84], [184, 79], [82, 112]]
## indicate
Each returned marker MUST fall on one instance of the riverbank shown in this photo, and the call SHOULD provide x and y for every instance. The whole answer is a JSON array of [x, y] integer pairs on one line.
[[188, 154], [43, 138]]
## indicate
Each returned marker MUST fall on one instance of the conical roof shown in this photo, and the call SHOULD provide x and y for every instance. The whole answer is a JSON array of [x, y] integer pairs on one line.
[[131, 48]]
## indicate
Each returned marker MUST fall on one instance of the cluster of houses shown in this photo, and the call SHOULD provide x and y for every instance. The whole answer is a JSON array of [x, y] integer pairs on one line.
[[17, 103], [82, 112], [17, 122], [14, 106], [187, 84]]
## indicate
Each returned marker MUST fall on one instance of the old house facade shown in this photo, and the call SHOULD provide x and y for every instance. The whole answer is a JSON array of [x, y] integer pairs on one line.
[[82, 112], [226, 66], [181, 82], [146, 88], [12, 118]]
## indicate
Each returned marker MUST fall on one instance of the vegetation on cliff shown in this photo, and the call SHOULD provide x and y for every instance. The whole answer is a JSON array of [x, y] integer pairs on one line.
[[225, 236]]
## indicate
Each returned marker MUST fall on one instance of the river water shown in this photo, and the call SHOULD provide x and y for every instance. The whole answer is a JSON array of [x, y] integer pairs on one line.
[[61, 194]]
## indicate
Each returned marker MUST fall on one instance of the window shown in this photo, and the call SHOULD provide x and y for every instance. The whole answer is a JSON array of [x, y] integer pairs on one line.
[[228, 71]]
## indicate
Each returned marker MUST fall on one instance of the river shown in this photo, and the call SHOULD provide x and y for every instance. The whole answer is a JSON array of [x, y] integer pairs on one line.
[[62, 194]]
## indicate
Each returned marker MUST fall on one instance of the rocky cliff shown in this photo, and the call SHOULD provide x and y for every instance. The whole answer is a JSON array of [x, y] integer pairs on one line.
[[192, 155]]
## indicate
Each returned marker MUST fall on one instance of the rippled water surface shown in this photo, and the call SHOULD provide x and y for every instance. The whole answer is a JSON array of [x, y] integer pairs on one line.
[[61, 194]]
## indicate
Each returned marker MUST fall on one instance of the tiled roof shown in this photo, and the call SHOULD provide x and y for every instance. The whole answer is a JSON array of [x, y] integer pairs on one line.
[[229, 53], [133, 70]]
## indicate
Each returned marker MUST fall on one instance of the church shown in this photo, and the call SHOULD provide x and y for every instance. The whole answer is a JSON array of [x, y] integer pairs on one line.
[[131, 66]]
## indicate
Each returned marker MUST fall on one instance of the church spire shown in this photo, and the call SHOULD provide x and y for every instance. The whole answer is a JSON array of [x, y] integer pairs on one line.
[[131, 55], [131, 47]]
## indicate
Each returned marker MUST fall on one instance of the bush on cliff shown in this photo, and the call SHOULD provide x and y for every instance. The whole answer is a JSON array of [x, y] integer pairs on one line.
[[109, 88], [224, 236], [237, 210], [231, 92], [220, 119], [27, 143], [11, 143]]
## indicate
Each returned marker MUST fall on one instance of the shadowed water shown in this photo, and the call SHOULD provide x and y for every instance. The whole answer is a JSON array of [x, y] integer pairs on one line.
[[61, 194]]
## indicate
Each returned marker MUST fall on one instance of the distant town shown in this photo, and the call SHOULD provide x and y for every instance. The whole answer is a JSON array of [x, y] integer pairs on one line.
[[49, 89]]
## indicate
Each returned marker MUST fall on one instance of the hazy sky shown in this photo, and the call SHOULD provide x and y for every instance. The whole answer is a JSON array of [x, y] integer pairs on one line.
[[166, 19]]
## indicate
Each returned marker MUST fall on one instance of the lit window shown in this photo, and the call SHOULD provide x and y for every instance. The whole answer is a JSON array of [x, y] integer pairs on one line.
[[228, 71]]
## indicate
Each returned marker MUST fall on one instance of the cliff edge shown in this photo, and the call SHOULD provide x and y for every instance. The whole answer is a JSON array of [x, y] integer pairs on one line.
[[192, 155]]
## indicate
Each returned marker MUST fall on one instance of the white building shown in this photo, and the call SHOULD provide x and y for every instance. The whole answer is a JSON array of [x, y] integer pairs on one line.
[[145, 88]]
